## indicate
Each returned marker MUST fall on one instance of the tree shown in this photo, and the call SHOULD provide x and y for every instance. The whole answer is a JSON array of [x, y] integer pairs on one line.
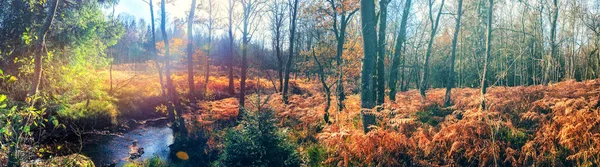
[[250, 12], [434, 28], [231, 58], [153, 49], [171, 92], [398, 51], [288, 67], [450, 82], [367, 101], [210, 25], [277, 11], [190, 50], [552, 54], [380, 82], [488, 48], [41, 51], [341, 11]]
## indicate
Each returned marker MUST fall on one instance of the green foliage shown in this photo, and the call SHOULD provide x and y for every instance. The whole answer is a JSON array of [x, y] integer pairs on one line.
[[257, 142], [17, 124], [316, 155], [514, 137], [432, 114], [152, 162], [91, 111]]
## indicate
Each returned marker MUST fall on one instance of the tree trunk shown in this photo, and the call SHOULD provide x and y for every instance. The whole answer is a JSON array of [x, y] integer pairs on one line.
[[231, 56], [41, 52], [398, 51], [171, 94], [327, 89], [367, 101], [488, 48], [154, 50], [190, 51], [425, 74], [210, 33], [380, 82], [552, 54], [450, 83], [290, 58]]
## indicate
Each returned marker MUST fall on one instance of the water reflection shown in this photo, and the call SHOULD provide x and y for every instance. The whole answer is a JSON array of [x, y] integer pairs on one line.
[[113, 149]]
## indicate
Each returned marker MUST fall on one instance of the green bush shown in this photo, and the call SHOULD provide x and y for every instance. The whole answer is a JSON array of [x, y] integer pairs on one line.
[[257, 142]]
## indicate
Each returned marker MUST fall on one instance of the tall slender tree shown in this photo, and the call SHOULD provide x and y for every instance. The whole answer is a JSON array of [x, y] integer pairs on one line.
[[210, 27], [434, 27], [231, 59], [450, 82], [398, 51], [380, 82], [341, 11], [290, 59], [153, 49], [190, 50], [40, 50], [278, 10], [171, 92], [552, 54], [367, 101], [488, 52], [250, 12]]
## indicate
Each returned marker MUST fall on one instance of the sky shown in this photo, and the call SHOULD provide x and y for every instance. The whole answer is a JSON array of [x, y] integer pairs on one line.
[[141, 10]]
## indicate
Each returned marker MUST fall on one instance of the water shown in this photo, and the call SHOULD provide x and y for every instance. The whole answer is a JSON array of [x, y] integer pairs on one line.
[[114, 149]]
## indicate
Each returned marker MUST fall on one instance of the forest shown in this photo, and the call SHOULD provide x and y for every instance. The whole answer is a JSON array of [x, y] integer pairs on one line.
[[299, 83]]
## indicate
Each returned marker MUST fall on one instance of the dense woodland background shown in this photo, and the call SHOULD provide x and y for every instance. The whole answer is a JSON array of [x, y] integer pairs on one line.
[[500, 82]]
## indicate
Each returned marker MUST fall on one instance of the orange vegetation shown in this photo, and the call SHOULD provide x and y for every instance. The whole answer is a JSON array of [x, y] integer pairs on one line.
[[558, 125]]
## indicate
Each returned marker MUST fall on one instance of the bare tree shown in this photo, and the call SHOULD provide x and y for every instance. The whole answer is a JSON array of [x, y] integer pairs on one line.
[[154, 50], [250, 11], [231, 59], [288, 67], [434, 28], [210, 25], [488, 48], [171, 92], [552, 54], [190, 50], [450, 83], [277, 10], [341, 12], [398, 51]]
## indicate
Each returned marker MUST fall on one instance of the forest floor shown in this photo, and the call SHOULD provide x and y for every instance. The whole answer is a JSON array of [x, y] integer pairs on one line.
[[551, 125], [555, 125]]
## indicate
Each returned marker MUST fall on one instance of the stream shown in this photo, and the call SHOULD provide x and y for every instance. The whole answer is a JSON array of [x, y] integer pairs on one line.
[[154, 138]]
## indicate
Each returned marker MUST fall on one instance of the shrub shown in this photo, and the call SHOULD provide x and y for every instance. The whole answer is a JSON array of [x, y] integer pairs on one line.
[[257, 142]]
